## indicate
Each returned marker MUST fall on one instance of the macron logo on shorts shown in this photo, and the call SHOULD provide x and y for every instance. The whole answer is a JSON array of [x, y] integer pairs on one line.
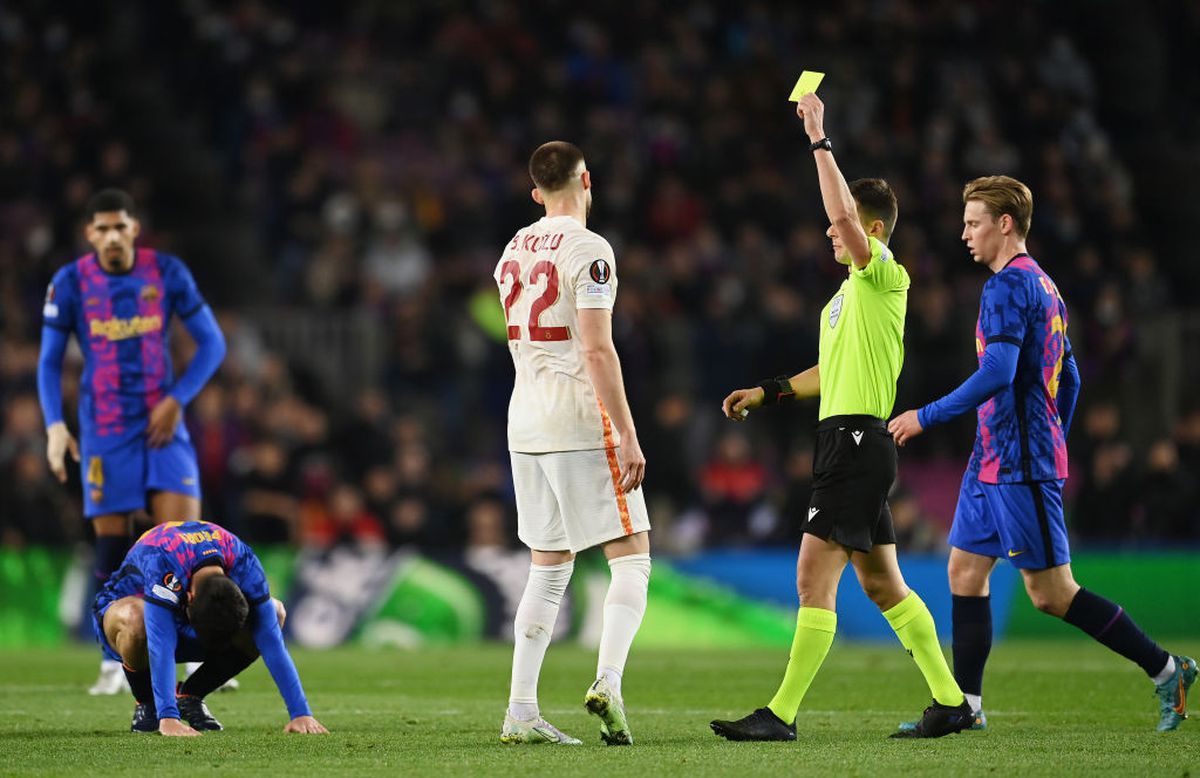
[[813, 512]]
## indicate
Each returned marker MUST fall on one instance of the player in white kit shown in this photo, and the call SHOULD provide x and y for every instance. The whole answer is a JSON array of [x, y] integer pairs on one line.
[[577, 466]]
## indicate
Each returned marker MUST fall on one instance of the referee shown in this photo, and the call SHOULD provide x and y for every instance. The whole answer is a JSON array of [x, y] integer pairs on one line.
[[861, 352]]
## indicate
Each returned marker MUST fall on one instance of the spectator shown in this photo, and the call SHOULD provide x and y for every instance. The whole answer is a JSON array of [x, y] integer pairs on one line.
[[269, 510], [915, 533], [733, 484], [1167, 495], [344, 520]]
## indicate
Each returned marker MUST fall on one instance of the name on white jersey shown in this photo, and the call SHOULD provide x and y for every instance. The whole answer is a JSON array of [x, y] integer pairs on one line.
[[536, 243]]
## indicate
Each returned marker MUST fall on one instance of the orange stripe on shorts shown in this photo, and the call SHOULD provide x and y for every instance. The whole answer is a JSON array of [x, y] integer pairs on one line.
[[614, 467]]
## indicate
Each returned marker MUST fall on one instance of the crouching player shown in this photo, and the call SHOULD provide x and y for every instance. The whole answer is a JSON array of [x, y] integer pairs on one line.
[[192, 591]]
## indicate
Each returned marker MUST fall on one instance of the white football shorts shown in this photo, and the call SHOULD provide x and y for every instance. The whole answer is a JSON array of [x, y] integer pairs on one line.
[[568, 500]]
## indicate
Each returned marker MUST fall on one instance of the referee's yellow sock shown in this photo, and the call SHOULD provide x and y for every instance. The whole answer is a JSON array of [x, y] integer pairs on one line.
[[815, 628], [914, 625]]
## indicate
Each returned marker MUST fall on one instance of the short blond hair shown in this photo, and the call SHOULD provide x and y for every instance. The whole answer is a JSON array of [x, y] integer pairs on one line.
[[1001, 195]]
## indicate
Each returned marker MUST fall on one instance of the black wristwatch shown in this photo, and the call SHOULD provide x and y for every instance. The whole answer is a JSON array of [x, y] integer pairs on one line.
[[823, 143]]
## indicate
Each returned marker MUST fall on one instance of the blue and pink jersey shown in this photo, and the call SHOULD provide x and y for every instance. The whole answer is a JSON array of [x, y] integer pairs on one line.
[[121, 322], [160, 565], [1019, 436]]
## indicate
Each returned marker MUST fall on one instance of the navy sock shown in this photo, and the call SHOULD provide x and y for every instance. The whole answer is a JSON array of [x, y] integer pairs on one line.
[[972, 640], [1111, 626], [110, 552], [216, 670], [139, 684]]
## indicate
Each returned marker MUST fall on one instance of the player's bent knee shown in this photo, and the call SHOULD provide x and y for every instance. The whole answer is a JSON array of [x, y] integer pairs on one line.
[[816, 594], [1048, 602], [883, 590], [1044, 604], [967, 580]]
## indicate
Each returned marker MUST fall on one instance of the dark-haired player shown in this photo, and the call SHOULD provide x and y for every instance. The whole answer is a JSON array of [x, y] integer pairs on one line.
[[1011, 504], [193, 591], [576, 462], [861, 352], [135, 454]]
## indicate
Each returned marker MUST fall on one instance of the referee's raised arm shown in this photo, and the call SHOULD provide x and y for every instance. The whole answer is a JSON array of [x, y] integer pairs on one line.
[[839, 203]]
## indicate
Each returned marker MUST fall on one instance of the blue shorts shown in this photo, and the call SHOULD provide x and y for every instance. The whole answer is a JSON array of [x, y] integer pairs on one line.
[[1020, 522], [187, 646], [117, 480]]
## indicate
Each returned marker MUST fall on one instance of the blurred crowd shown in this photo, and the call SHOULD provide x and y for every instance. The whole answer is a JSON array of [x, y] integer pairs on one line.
[[369, 158]]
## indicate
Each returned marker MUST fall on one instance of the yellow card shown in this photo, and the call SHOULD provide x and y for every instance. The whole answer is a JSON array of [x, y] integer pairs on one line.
[[809, 81]]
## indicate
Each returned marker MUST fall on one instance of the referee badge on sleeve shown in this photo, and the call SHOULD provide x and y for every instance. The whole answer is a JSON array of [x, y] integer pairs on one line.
[[835, 310]]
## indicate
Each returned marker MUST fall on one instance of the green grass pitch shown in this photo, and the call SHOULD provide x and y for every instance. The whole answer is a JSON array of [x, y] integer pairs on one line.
[[1053, 708]]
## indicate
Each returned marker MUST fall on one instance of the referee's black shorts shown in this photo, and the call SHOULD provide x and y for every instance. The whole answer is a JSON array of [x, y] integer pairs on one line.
[[854, 466]]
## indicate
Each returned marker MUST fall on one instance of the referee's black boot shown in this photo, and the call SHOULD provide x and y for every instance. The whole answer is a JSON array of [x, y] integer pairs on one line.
[[939, 720], [762, 724], [145, 718], [196, 713]]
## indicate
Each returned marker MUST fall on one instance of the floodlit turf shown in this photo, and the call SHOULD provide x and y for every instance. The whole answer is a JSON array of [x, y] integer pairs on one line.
[[1053, 709]]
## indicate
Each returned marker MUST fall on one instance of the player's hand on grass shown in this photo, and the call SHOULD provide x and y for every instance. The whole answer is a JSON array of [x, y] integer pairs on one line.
[[164, 418], [306, 725], [810, 108], [175, 728], [740, 402], [59, 441], [905, 427], [632, 461]]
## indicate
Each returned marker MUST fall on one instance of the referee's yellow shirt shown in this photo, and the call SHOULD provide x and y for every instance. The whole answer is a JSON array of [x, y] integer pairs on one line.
[[862, 338]]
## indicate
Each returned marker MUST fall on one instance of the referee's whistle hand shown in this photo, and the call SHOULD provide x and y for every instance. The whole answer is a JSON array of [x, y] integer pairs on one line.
[[740, 402], [905, 427]]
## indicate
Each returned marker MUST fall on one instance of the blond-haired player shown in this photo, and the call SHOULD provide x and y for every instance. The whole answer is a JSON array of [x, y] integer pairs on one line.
[[577, 466]]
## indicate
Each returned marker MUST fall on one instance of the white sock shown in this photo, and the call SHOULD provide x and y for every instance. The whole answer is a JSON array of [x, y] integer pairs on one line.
[[624, 607], [532, 628], [1167, 671], [109, 665], [190, 667], [976, 701]]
